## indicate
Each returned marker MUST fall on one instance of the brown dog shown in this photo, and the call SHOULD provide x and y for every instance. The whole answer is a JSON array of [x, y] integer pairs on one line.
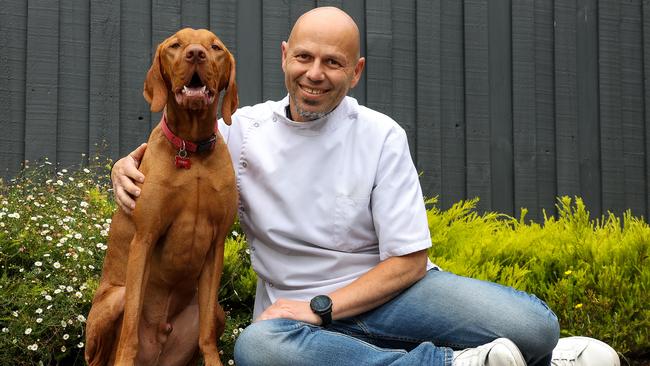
[[157, 300]]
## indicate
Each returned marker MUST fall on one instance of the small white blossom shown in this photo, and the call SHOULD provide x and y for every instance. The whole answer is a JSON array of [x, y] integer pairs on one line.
[[28, 331], [33, 347], [57, 265], [81, 318], [39, 320], [66, 336], [39, 311], [80, 345], [38, 263]]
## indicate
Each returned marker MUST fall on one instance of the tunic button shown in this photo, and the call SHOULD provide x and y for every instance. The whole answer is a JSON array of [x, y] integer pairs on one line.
[[244, 164], [256, 124], [275, 119]]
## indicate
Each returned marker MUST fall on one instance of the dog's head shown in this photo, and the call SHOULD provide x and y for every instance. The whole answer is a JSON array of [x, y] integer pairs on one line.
[[193, 66]]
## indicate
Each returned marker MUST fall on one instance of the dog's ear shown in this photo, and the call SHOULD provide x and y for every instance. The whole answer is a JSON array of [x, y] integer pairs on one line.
[[155, 90], [230, 98]]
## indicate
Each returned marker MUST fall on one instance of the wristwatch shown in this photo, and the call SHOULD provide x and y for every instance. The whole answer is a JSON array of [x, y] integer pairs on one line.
[[321, 305]]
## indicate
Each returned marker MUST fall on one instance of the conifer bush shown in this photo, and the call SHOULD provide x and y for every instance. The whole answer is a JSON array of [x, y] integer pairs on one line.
[[54, 227]]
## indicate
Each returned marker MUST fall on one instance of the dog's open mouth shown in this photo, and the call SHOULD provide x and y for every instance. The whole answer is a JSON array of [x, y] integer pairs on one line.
[[195, 95]]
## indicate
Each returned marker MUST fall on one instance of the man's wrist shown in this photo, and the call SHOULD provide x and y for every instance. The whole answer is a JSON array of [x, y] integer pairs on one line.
[[321, 305]]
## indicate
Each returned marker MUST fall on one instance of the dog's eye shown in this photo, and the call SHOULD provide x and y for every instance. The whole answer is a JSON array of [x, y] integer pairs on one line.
[[175, 45], [216, 47]]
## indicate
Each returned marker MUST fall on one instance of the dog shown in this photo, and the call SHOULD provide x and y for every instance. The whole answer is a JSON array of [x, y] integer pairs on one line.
[[156, 303]]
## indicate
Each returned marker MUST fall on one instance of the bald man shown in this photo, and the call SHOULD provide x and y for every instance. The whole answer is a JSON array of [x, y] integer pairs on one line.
[[334, 217]]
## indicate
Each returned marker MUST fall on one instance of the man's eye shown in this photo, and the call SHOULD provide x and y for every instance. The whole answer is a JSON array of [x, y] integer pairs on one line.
[[302, 57], [333, 62]]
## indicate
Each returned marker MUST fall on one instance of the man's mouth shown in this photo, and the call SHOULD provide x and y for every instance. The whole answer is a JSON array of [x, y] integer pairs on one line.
[[312, 91], [195, 95]]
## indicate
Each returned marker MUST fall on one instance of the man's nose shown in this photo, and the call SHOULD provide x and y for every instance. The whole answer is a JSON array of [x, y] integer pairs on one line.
[[195, 53], [315, 71]]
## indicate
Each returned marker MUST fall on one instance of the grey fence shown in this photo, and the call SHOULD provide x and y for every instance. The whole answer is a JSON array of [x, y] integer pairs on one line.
[[513, 101]]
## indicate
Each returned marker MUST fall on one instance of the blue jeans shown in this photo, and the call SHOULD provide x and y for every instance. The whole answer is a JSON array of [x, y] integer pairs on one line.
[[421, 326]]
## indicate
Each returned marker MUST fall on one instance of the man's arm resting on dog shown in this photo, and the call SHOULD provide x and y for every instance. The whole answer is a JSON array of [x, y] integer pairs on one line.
[[374, 288], [124, 175]]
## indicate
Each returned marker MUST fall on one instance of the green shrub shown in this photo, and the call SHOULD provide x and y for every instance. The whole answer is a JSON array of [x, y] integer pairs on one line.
[[54, 227], [53, 234], [595, 275]]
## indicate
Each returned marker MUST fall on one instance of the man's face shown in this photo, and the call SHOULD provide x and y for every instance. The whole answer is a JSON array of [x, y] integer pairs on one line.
[[319, 69]]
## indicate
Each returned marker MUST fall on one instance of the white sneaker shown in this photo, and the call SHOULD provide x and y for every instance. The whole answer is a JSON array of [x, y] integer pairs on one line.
[[500, 352], [583, 351]]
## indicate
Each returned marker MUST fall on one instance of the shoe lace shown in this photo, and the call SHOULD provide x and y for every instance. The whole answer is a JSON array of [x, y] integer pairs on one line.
[[563, 362]]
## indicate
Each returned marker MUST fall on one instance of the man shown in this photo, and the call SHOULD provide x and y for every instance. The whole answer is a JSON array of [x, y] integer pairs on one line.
[[334, 216]]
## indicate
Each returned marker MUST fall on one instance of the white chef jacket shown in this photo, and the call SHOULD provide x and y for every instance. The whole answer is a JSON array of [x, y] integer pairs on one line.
[[323, 202]]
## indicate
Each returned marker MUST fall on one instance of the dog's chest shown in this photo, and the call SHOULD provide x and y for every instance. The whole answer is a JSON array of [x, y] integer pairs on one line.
[[198, 203]]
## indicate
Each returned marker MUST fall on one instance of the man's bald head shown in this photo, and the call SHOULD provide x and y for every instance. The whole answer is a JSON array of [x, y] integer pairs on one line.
[[331, 22]]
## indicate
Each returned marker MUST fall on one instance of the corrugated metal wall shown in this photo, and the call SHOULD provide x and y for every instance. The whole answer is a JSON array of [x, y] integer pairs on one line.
[[514, 101]]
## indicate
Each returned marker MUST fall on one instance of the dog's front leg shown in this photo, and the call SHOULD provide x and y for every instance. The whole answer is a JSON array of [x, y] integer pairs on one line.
[[137, 272], [211, 316]]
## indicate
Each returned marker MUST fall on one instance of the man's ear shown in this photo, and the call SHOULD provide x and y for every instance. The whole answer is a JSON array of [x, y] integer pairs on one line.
[[155, 90], [230, 98], [358, 70]]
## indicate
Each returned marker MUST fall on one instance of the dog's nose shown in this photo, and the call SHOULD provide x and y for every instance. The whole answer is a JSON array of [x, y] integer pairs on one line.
[[195, 54]]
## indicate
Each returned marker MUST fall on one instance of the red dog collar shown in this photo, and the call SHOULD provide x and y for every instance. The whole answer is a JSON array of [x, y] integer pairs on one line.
[[181, 144]]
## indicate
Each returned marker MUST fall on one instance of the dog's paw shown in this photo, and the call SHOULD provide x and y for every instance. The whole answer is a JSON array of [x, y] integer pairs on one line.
[[212, 360]]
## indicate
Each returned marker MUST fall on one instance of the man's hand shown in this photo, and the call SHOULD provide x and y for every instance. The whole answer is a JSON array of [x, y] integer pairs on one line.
[[290, 309], [124, 175]]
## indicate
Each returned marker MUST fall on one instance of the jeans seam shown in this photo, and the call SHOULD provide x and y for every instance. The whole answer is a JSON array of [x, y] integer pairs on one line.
[[369, 334]]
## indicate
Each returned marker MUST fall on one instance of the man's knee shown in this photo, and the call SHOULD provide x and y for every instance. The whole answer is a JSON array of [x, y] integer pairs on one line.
[[262, 341]]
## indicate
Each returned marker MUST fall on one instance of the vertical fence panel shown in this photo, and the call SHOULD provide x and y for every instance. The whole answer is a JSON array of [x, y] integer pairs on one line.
[[588, 121], [13, 41], [223, 22], [42, 73], [104, 116], [404, 67], [477, 102], [428, 78], [135, 60], [610, 105], [523, 104], [545, 107], [357, 11], [454, 166], [566, 114], [646, 95], [250, 56], [500, 105], [275, 27], [195, 14], [379, 35], [74, 43], [633, 108]]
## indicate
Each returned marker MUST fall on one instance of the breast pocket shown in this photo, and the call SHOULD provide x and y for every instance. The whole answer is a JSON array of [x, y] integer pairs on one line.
[[353, 228]]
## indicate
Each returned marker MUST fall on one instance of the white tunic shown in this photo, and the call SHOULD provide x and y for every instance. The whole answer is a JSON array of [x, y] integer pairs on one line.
[[323, 202]]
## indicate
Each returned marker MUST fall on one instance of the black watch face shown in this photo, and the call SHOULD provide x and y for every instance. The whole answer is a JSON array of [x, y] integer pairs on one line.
[[321, 303]]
